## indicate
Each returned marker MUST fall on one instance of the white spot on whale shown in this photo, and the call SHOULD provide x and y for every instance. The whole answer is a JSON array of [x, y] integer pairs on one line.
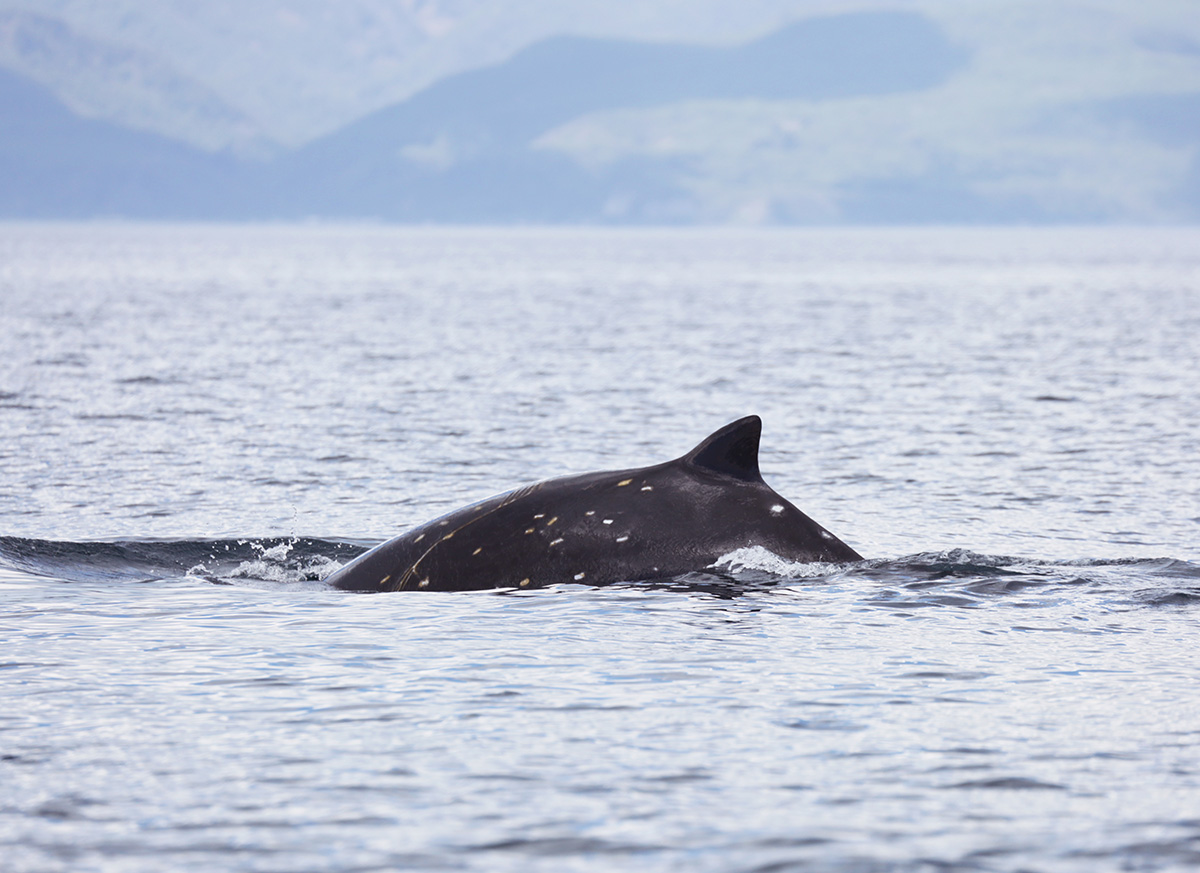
[[418, 539], [647, 488], [826, 535], [529, 530], [523, 583], [622, 539], [424, 583], [777, 509], [556, 542], [540, 515], [623, 483], [590, 512], [579, 576], [608, 521], [477, 551]]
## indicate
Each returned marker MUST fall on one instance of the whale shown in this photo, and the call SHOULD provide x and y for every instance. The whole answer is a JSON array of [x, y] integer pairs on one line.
[[631, 525]]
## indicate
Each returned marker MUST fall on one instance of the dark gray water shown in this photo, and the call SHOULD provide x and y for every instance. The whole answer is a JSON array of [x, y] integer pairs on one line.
[[197, 424]]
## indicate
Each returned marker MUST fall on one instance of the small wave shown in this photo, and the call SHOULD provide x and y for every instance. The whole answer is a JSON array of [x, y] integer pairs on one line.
[[964, 578], [956, 578], [270, 559]]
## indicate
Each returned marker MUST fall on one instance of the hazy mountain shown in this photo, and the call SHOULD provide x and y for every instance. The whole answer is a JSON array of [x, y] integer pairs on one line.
[[122, 84], [793, 111], [54, 164], [1059, 116], [298, 69], [1173, 122], [460, 150]]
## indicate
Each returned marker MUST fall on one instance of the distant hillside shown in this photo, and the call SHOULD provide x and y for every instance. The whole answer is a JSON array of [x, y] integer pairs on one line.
[[1015, 111], [460, 150], [213, 73], [1172, 121], [54, 164], [121, 84]]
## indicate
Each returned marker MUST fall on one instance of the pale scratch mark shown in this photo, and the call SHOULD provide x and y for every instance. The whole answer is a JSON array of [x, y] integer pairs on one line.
[[418, 539], [647, 488], [556, 542], [624, 482], [529, 530], [622, 539], [551, 521], [384, 580], [477, 551]]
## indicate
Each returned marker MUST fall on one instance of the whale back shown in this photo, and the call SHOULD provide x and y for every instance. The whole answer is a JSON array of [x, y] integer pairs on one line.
[[598, 528]]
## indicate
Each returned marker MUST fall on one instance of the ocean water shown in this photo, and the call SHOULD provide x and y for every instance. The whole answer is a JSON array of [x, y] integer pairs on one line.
[[199, 423]]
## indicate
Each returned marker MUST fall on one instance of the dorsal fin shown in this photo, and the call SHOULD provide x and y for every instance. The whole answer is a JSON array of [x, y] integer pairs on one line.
[[731, 451]]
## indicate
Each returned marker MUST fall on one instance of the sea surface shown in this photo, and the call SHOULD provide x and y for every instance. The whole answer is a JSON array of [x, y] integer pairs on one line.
[[200, 423]]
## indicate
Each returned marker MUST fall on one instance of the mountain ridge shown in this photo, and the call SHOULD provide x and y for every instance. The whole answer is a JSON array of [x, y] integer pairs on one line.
[[484, 121], [859, 117], [54, 164]]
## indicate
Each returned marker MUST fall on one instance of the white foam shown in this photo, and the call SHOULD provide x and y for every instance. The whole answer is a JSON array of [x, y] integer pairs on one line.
[[267, 572], [275, 553], [273, 565], [765, 561]]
